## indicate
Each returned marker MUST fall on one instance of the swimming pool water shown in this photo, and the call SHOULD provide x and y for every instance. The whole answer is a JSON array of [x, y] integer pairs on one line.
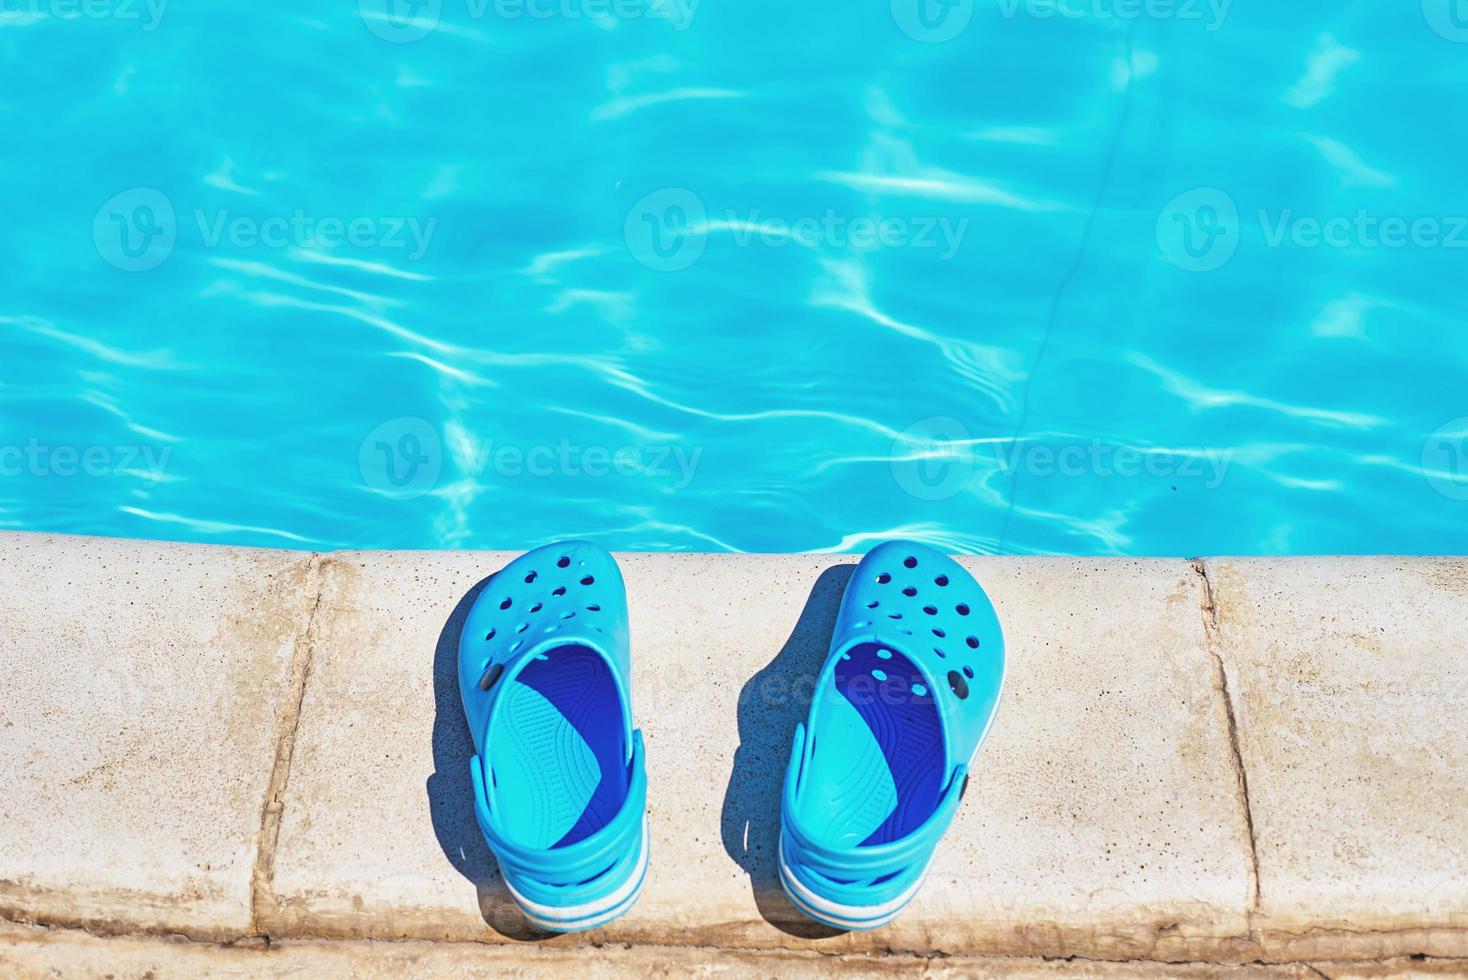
[[1043, 276]]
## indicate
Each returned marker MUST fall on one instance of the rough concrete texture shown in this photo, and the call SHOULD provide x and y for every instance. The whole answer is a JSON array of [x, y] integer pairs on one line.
[[138, 727], [1103, 820], [38, 953], [1350, 679], [1240, 761]]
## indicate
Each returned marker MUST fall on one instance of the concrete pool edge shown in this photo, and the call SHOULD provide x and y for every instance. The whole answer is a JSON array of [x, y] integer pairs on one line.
[[231, 743]]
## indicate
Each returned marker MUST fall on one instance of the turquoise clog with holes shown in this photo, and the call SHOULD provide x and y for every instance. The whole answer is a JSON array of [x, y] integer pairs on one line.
[[560, 788], [905, 699]]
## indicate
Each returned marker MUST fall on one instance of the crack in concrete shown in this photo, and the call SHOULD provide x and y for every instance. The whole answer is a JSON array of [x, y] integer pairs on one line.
[[1214, 641], [263, 901], [248, 944], [245, 942]]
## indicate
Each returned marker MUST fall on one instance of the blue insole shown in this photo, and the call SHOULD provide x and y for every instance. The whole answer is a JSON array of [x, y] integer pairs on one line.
[[558, 749], [877, 768]]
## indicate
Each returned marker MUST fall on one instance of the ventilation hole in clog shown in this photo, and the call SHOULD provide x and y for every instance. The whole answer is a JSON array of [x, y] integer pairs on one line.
[[909, 562], [568, 614], [522, 627], [516, 645], [587, 580], [879, 674], [941, 581], [553, 627], [563, 562], [885, 654], [957, 684], [938, 633], [506, 604], [962, 609], [968, 672], [894, 615], [905, 632], [909, 592], [861, 625], [973, 642], [919, 691], [931, 610], [491, 674], [873, 604], [530, 578], [593, 608], [939, 652], [559, 590], [489, 635], [536, 608], [883, 579]]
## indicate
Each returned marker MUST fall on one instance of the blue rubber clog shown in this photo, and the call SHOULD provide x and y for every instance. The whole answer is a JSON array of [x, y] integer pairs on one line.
[[904, 701], [560, 789]]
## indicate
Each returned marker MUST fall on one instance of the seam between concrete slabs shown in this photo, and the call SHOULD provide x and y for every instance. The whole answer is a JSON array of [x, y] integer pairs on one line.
[[1214, 642], [262, 877]]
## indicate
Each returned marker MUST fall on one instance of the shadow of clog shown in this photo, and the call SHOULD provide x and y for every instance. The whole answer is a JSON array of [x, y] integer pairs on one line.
[[771, 704], [451, 794]]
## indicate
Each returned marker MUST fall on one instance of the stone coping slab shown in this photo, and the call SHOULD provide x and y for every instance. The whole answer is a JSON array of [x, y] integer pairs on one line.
[[1231, 760], [1103, 818], [1351, 685], [138, 726]]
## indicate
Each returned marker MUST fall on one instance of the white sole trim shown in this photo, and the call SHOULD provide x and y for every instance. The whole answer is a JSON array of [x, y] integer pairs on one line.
[[588, 914], [857, 916]]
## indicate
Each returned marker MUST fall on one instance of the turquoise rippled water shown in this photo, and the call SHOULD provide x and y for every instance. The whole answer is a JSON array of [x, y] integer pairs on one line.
[[1086, 276]]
